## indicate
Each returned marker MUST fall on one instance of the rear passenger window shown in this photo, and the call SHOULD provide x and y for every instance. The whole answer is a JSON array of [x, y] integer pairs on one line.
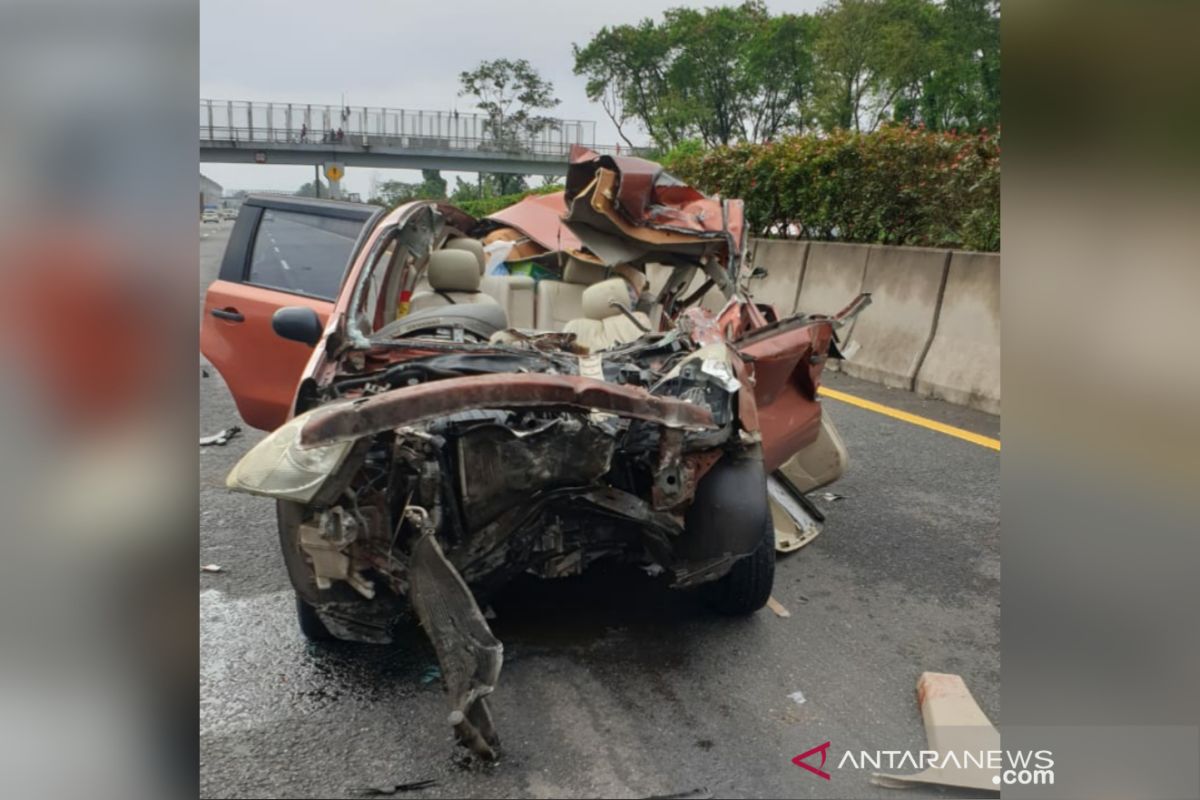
[[302, 253]]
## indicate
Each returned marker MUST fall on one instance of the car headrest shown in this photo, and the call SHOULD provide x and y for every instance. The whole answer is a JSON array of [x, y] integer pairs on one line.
[[453, 271], [584, 272], [466, 244], [598, 297]]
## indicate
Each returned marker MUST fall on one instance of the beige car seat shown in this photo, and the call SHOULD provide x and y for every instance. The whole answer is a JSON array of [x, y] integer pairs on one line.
[[603, 325], [468, 245], [513, 292], [559, 302], [453, 278]]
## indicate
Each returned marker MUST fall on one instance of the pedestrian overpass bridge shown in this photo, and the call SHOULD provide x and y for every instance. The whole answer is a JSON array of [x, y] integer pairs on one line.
[[234, 132]]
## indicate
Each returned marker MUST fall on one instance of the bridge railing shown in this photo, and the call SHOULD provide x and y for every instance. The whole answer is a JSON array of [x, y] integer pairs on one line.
[[243, 123]]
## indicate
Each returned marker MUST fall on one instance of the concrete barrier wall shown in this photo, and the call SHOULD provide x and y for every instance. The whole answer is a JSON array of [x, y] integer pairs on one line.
[[784, 262], [933, 326], [963, 362], [889, 339], [833, 276]]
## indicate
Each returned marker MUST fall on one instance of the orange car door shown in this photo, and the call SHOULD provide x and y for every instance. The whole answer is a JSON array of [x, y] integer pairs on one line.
[[281, 252]]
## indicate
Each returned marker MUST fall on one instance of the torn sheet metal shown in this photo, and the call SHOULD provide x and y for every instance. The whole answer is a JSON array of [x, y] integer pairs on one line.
[[720, 370], [469, 654], [539, 218], [427, 401], [646, 195]]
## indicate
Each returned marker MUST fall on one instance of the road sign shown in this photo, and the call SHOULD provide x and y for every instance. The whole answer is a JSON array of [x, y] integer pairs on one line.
[[334, 170]]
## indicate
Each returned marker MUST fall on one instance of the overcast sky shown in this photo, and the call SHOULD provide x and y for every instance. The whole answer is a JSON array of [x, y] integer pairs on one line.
[[398, 54]]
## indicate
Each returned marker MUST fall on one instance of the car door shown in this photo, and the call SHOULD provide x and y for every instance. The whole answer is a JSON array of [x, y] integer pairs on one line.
[[788, 357], [281, 252]]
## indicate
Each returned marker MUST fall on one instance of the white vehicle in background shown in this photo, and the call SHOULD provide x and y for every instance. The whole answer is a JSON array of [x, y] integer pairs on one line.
[[210, 215], [229, 213]]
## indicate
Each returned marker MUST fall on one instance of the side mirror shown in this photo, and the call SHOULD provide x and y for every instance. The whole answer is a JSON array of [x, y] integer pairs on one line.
[[298, 323]]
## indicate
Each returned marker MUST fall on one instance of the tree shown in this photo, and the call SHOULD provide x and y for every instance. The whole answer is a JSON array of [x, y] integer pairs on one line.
[[719, 74], [777, 62], [625, 69], [393, 193], [489, 185], [913, 61], [510, 93], [307, 189], [847, 62], [963, 90]]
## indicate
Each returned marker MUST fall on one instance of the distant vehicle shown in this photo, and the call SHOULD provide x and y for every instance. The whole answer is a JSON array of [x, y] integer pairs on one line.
[[210, 216], [229, 213]]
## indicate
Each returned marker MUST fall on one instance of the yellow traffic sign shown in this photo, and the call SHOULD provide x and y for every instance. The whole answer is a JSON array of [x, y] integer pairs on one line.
[[334, 171]]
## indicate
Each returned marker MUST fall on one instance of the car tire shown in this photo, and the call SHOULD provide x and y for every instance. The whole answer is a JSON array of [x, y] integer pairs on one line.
[[310, 624], [747, 586]]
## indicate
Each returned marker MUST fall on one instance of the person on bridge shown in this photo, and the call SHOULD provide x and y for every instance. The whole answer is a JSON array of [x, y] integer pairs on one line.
[[303, 131], [340, 135]]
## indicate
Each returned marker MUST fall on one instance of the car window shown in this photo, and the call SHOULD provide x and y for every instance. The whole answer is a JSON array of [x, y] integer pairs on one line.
[[302, 253]]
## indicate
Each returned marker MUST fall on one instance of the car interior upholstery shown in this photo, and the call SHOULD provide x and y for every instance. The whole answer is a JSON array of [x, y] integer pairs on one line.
[[453, 279], [603, 324], [579, 303]]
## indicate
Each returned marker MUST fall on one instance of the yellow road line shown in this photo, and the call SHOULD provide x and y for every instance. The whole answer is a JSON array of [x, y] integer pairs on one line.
[[924, 422]]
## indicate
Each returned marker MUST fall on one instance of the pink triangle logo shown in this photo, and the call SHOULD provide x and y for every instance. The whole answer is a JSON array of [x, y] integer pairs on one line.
[[822, 749]]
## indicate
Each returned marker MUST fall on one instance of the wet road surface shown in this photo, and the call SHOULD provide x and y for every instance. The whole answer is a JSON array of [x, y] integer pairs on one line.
[[614, 686]]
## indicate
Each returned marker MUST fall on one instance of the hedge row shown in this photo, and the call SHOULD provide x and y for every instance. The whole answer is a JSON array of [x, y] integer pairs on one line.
[[481, 207], [898, 185]]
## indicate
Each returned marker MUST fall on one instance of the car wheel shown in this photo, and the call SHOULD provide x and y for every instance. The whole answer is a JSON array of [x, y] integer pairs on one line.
[[747, 586], [310, 624]]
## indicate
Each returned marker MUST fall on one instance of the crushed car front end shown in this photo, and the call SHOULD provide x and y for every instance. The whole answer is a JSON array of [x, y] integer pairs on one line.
[[437, 453], [449, 473]]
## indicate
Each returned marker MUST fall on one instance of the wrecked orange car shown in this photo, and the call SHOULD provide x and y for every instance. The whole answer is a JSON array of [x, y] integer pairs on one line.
[[435, 448]]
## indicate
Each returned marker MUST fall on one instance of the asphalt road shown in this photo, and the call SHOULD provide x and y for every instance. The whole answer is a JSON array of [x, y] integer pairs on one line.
[[613, 686]]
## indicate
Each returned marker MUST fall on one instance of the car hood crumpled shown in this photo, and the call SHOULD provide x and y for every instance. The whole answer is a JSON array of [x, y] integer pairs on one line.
[[630, 210]]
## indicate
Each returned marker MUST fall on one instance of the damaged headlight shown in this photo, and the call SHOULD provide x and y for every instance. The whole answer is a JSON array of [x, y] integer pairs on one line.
[[278, 467]]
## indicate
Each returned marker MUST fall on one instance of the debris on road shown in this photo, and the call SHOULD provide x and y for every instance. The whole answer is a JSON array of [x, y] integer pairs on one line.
[[795, 526], [430, 675], [212, 568], [954, 723], [413, 786], [778, 608], [797, 697], [831, 497], [221, 438], [700, 793]]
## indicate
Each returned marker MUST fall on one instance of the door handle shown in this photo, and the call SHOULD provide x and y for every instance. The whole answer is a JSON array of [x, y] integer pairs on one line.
[[231, 314]]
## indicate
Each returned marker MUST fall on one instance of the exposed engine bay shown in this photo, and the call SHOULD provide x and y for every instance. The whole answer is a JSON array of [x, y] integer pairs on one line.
[[438, 453]]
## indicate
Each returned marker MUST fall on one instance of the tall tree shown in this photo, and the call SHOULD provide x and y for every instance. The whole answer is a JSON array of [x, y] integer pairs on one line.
[[963, 90], [847, 57], [777, 62], [510, 92], [625, 67], [719, 74], [913, 61]]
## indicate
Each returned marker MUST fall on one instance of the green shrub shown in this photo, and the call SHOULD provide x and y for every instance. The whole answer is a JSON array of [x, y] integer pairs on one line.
[[490, 205], [898, 185]]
